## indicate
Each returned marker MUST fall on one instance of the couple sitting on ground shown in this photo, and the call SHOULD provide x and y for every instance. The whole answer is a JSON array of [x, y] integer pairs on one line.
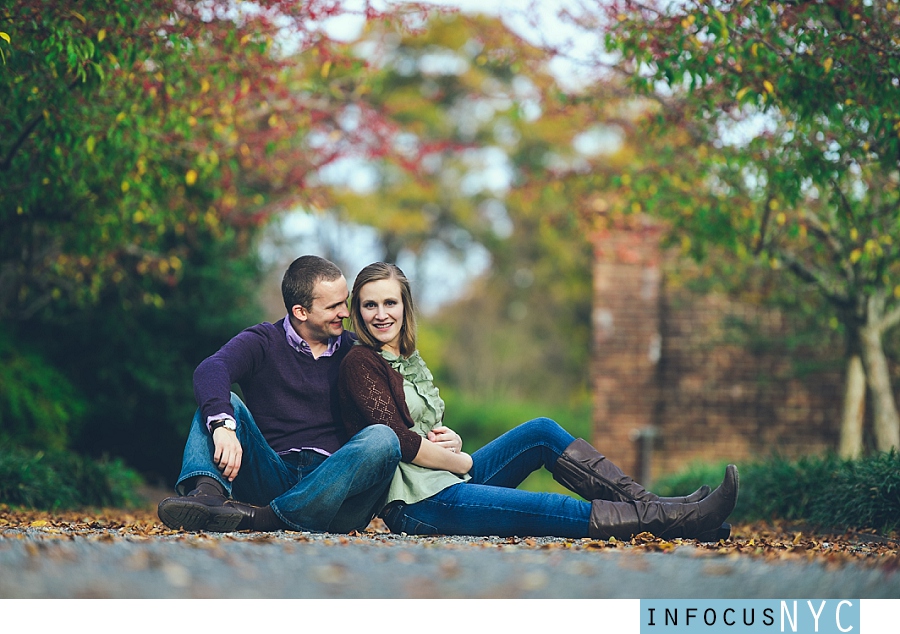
[[339, 428]]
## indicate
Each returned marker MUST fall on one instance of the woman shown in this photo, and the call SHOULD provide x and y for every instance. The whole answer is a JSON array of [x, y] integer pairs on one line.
[[439, 489]]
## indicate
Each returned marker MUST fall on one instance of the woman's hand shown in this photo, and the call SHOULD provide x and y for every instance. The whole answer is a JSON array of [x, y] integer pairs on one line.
[[446, 438], [228, 452]]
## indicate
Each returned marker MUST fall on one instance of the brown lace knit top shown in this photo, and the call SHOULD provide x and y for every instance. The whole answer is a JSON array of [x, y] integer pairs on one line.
[[371, 393]]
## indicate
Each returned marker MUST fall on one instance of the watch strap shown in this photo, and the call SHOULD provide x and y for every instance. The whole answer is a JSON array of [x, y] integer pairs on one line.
[[222, 422]]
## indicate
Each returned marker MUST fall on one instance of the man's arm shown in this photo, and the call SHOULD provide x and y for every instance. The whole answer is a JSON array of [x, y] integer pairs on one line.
[[236, 360]]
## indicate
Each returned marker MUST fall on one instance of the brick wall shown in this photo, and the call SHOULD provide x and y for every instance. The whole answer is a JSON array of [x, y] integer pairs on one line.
[[678, 369]]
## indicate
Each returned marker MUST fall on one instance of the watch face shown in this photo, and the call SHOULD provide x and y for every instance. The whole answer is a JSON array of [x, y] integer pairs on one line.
[[229, 424]]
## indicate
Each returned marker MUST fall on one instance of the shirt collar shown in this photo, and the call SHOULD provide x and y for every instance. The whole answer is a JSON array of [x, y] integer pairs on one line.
[[299, 344]]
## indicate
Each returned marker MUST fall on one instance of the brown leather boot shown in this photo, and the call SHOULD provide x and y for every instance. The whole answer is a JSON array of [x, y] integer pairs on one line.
[[623, 520], [587, 472]]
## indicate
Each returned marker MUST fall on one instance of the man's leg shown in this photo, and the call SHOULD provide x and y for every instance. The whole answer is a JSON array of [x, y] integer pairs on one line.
[[263, 475], [342, 493]]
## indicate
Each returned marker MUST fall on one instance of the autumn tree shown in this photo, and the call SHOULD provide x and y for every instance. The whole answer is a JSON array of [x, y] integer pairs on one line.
[[127, 121], [143, 144], [483, 140], [785, 150]]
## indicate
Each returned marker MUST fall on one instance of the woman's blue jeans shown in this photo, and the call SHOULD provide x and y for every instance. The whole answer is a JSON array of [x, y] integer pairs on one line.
[[489, 503], [307, 490]]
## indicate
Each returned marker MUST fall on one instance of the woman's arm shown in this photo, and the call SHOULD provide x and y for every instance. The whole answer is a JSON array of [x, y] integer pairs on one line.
[[367, 399], [435, 457]]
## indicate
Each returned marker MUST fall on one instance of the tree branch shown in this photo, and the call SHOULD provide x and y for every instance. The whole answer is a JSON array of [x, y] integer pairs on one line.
[[7, 162], [815, 276]]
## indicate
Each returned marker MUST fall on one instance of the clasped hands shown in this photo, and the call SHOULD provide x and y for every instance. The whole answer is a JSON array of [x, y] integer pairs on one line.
[[446, 438]]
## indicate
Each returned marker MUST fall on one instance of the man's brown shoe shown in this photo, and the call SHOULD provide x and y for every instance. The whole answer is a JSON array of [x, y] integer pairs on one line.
[[214, 513]]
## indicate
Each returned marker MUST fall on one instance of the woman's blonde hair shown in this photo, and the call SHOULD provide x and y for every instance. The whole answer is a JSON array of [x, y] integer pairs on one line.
[[385, 271]]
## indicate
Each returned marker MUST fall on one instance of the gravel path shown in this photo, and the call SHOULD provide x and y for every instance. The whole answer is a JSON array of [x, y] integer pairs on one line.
[[43, 562]]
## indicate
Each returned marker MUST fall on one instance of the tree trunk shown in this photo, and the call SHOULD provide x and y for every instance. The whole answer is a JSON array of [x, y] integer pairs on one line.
[[851, 443], [884, 409]]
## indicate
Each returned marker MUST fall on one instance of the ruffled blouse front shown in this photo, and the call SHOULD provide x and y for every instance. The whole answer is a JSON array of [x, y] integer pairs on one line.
[[413, 483]]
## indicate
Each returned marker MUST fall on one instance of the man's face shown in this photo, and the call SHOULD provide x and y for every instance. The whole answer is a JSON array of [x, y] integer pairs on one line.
[[329, 309]]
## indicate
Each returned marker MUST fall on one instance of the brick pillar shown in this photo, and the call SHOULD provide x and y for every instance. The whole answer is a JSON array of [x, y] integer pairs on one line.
[[626, 339]]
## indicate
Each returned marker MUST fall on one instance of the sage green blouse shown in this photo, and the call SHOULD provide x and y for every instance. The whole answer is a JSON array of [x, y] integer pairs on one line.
[[413, 483]]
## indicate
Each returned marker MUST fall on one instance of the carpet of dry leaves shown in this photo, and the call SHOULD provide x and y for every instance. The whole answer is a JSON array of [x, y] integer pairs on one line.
[[768, 541]]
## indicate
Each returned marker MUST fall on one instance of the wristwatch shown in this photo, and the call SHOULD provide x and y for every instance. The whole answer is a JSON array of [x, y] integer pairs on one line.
[[227, 423]]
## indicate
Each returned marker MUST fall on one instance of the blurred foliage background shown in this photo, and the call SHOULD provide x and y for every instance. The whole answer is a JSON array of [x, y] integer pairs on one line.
[[151, 150], [155, 155]]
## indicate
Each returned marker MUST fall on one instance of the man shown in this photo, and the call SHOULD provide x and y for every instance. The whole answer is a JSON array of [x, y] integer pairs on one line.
[[288, 462]]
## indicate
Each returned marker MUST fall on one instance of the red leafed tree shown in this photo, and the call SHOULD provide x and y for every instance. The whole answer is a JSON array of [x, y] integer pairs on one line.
[[130, 129]]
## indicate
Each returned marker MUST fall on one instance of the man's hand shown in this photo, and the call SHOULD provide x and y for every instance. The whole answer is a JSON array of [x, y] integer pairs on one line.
[[446, 438], [228, 452]]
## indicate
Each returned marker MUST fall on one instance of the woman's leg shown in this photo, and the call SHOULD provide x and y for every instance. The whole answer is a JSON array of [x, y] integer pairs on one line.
[[508, 460], [574, 463], [477, 509], [590, 474], [695, 520]]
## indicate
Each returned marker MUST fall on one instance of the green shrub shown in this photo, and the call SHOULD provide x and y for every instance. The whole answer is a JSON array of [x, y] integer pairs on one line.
[[866, 493], [480, 421], [824, 491], [38, 404], [60, 480]]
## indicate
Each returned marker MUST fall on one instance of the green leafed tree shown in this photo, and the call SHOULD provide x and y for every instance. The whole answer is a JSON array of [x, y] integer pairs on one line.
[[126, 121], [142, 144], [778, 132]]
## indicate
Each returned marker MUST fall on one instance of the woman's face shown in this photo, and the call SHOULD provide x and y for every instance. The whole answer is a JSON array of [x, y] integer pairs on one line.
[[381, 309]]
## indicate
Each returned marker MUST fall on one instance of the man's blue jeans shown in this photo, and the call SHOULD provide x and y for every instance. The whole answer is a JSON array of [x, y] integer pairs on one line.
[[489, 503], [308, 491]]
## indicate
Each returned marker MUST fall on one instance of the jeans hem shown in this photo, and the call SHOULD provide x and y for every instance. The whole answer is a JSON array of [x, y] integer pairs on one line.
[[295, 527]]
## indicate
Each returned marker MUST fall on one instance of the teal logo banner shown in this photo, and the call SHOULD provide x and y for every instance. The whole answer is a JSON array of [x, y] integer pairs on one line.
[[750, 616]]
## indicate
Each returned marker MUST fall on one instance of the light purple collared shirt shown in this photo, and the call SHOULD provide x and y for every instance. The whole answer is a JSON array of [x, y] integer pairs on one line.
[[299, 344]]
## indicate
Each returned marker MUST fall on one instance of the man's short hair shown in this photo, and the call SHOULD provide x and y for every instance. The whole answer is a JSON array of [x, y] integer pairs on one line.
[[301, 277]]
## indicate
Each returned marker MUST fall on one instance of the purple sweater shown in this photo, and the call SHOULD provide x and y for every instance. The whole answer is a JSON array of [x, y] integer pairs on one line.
[[293, 397]]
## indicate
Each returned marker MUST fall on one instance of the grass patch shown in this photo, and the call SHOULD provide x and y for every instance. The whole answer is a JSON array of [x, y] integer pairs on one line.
[[824, 491], [61, 480]]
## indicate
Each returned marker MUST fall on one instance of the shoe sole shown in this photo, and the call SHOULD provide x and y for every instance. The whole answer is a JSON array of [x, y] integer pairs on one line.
[[193, 516], [717, 534]]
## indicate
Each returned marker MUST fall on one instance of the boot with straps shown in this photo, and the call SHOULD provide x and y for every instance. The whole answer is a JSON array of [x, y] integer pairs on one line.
[[585, 471], [666, 520]]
